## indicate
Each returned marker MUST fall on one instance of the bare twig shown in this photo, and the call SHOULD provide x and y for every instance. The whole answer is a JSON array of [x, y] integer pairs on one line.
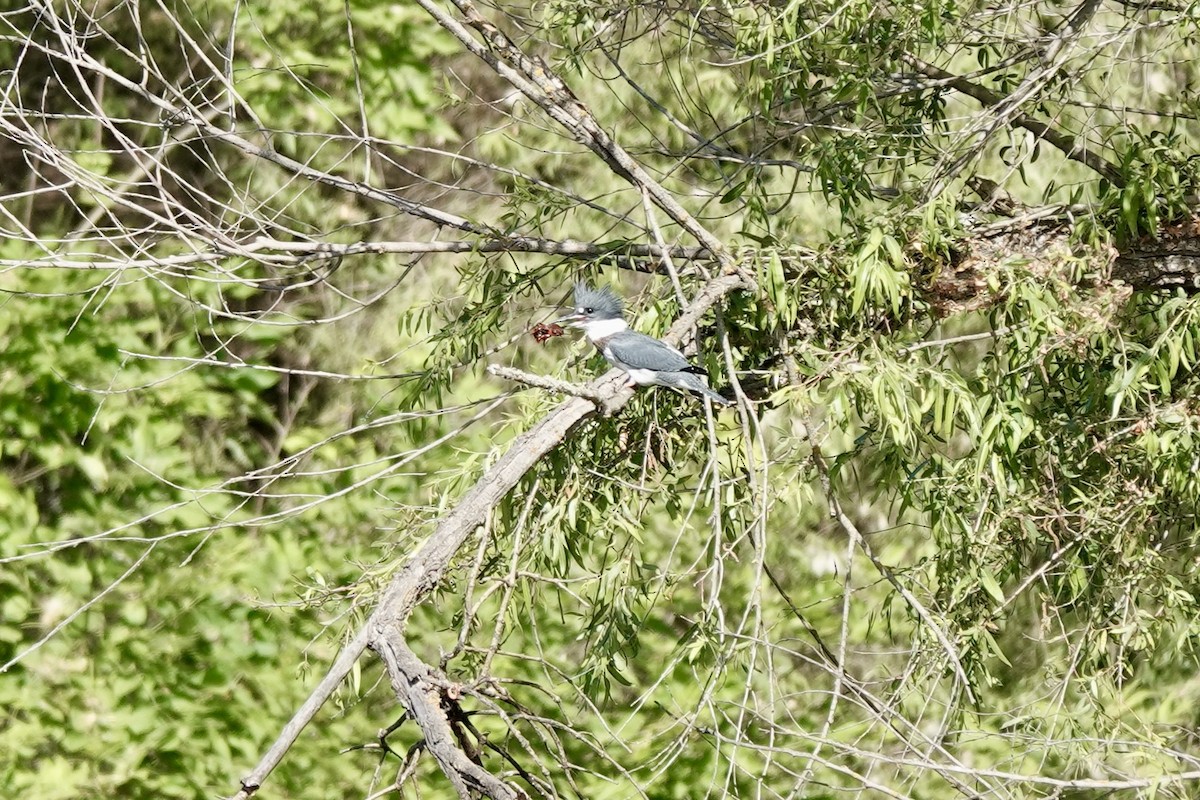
[[534, 79], [851, 530], [545, 382]]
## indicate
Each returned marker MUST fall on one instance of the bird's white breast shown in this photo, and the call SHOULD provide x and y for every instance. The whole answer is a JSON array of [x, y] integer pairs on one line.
[[642, 377]]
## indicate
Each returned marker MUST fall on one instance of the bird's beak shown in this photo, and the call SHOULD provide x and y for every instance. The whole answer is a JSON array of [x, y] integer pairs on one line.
[[568, 320]]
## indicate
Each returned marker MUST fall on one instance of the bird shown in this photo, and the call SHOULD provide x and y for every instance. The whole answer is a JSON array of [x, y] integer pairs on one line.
[[599, 313]]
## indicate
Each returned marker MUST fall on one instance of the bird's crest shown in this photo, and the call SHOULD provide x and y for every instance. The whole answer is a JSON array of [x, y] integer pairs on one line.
[[604, 302]]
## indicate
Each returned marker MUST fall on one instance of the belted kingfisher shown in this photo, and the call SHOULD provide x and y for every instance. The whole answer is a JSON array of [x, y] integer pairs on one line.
[[599, 312]]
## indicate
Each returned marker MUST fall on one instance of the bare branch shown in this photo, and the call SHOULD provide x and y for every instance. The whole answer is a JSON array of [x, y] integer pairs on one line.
[[544, 382], [420, 690]]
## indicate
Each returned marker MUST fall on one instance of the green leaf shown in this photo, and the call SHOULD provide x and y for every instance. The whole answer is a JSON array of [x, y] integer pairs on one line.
[[990, 585]]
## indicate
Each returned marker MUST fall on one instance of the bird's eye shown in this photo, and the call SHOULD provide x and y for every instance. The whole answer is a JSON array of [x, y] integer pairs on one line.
[[588, 310]]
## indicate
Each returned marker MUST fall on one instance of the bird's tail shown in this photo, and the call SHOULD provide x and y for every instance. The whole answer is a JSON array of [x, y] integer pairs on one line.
[[697, 385]]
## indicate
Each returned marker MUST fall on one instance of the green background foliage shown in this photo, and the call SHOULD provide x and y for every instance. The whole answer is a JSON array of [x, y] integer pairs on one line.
[[210, 467]]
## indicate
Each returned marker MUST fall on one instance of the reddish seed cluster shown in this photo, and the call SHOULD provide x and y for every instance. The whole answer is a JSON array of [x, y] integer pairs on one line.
[[541, 332]]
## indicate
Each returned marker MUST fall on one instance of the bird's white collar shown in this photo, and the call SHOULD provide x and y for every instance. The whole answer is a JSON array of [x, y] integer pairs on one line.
[[603, 328]]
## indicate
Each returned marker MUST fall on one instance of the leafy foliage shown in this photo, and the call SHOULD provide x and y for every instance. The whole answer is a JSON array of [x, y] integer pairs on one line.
[[951, 523]]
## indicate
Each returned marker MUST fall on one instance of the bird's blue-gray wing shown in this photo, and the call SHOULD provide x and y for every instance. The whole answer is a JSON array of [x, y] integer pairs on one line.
[[643, 352]]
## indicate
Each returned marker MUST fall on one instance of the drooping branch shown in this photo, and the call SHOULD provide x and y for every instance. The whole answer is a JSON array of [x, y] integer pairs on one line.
[[384, 628], [1070, 146]]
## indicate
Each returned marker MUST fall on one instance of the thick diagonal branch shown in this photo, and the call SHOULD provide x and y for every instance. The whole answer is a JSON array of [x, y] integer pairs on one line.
[[423, 571], [418, 688]]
